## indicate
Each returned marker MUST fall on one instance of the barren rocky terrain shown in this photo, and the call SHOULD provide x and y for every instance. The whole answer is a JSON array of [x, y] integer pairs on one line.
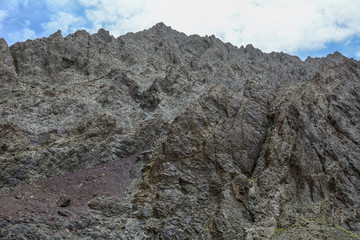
[[160, 135]]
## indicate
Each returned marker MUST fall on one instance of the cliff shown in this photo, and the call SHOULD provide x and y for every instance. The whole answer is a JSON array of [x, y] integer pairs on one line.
[[160, 135]]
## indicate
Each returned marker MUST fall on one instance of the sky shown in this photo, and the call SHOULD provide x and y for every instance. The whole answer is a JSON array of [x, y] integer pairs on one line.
[[299, 27]]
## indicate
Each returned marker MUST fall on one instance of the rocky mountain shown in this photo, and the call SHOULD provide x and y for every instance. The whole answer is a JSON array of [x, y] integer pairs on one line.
[[160, 135]]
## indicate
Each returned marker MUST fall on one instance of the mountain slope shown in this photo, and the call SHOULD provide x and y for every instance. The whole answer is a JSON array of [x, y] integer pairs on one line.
[[234, 143]]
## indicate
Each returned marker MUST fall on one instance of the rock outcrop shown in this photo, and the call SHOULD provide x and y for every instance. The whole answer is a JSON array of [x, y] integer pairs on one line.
[[230, 143]]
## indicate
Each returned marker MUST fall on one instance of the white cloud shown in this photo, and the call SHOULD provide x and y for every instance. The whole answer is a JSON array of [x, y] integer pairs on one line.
[[271, 25], [358, 54], [27, 33], [3, 15], [26, 3], [66, 22], [63, 5], [10, 5], [22, 35], [117, 16]]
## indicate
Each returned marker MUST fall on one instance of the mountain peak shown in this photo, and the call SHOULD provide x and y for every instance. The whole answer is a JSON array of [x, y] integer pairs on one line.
[[160, 25]]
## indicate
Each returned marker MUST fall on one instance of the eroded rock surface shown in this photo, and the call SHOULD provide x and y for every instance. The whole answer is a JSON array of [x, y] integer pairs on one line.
[[231, 143]]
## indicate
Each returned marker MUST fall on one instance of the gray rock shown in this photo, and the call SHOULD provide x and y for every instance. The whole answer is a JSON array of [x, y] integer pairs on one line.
[[233, 143], [63, 213], [64, 201]]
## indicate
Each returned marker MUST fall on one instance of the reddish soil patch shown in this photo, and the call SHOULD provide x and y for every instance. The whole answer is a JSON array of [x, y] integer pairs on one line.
[[110, 179]]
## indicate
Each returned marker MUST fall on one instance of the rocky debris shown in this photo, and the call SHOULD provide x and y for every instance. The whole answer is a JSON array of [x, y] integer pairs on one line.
[[111, 206], [63, 213], [313, 229], [64, 201], [80, 187], [196, 139]]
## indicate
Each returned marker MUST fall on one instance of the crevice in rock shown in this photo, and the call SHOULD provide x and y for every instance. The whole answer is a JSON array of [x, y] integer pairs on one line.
[[16, 64], [67, 63], [264, 152], [339, 131]]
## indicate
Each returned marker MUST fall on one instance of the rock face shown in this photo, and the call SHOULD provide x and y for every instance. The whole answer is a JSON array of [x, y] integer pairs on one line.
[[231, 143]]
